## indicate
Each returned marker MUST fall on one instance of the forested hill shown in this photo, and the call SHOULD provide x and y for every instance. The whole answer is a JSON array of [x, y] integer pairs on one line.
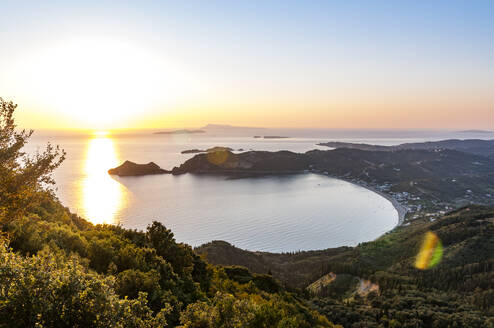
[[58, 270], [439, 177], [377, 284], [471, 146], [409, 164]]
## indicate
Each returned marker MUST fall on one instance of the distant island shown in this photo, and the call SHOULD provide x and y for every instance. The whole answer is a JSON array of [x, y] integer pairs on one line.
[[271, 137], [185, 131], [209, 150], [476, 131], [229, 127], [129, 168], [232, 130]]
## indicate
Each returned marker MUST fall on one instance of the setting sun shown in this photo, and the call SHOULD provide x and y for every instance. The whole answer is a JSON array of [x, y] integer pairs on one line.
[[257, 164], [98, 83]]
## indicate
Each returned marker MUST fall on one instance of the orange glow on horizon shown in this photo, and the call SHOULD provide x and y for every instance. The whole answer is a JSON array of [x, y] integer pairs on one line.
[[98, 83]]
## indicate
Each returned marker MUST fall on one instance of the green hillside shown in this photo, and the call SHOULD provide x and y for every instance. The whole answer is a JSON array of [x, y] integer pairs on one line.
[[425, 180], [58, 270], [377, 285]]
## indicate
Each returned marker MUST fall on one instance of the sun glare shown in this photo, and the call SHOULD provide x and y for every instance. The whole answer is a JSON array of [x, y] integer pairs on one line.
[[101, 133], [101, 82], [102, 196]]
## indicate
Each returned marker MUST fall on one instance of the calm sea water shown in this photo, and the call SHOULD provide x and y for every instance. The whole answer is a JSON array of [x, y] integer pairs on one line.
[[279, 213]]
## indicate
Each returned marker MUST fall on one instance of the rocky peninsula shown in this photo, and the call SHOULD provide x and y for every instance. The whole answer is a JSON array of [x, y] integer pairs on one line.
[[422, 180], [129, 168]]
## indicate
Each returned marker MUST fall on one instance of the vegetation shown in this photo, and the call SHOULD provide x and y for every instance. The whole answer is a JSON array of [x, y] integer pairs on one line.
[[21, 176], [458, 292], [437, 178], [471, 146], [58, 270]]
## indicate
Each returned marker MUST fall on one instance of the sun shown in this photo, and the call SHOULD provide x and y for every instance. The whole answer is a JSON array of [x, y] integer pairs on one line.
[[100, 82]]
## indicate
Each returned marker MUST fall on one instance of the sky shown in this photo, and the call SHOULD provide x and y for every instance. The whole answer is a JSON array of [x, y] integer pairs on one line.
[[309, 64]]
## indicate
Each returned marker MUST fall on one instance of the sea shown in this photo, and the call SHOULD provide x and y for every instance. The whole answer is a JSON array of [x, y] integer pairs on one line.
[[285, 213]]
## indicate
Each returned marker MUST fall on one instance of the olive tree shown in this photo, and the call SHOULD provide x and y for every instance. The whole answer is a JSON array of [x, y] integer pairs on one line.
[[22, 176]]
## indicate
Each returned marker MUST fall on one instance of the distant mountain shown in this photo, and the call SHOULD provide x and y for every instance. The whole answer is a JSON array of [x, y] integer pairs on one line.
[[229, 127], [231, 130], [185, 131], [476, 131]]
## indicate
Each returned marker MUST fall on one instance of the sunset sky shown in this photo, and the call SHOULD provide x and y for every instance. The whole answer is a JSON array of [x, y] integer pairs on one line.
[[322, 64]]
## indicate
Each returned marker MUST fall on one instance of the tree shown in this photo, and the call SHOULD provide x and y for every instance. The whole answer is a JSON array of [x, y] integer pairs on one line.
[[52, 290], [22, 177]]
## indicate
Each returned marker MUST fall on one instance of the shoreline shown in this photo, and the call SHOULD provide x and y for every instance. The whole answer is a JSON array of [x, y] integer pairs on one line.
[[401, 209]]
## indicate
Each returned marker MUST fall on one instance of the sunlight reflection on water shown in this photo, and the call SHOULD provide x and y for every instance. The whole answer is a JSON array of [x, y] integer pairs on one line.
[[101, 196], [278, 214]]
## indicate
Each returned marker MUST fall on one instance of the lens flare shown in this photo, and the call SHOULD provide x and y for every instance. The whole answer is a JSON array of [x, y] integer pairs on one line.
[[430, 253], [217, 157]]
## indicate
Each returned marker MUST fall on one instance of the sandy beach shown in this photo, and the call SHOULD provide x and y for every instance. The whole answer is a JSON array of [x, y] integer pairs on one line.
[[401, 209]]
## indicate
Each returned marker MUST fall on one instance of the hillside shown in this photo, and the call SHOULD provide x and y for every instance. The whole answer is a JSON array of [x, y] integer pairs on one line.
[[457, 292], [471, 146], [424, 180], [58, 270], [293, 269]]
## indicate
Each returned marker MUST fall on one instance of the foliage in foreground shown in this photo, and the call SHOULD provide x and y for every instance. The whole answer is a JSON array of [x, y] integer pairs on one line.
[[104, 276], [58, 270], [53, 290]]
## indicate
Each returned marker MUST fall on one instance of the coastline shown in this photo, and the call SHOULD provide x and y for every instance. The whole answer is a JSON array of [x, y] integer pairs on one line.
[[401, 209]]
